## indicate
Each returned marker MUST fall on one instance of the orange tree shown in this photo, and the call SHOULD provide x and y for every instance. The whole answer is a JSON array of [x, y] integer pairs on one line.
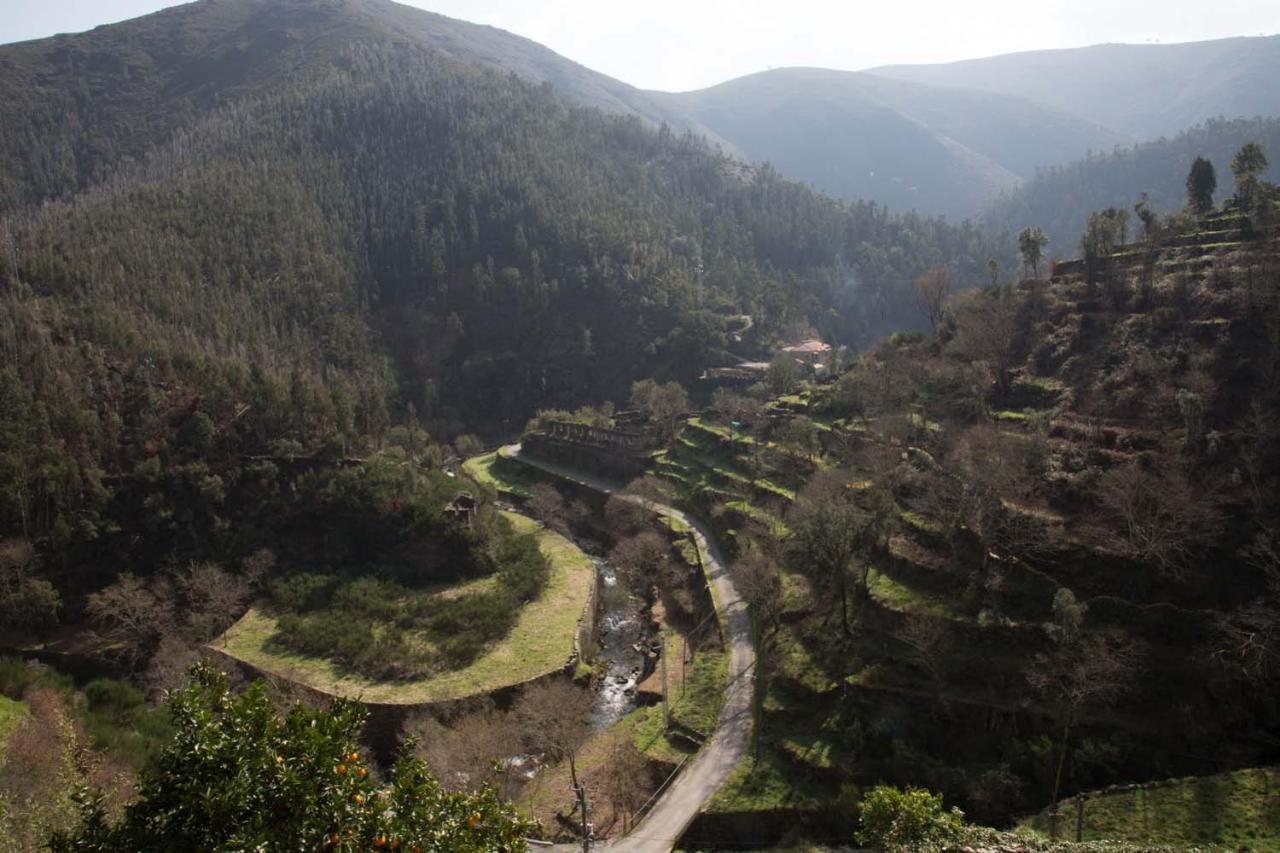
[[239, 776]]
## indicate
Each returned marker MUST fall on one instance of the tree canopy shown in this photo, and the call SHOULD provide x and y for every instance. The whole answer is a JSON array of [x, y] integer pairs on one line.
[[238, 775]]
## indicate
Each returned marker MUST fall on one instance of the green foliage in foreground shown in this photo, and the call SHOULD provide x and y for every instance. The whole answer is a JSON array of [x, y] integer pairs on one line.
[[239, 776], [908, 820], [386, 628]]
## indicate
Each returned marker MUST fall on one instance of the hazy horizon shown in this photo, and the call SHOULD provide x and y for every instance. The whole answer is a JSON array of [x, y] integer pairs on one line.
[[673, 46]]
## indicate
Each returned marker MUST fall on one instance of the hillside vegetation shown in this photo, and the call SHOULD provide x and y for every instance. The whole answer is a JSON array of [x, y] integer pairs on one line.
[[1030, 555], [265, 282], [1060, 198]]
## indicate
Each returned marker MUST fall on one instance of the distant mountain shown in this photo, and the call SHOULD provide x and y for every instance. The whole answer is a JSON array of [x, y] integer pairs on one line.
[[936, 139], [1060, 199], [1142, 91], [905, 145]]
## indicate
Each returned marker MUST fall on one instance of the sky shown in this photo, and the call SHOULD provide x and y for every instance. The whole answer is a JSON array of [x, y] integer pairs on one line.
[[677, 45]]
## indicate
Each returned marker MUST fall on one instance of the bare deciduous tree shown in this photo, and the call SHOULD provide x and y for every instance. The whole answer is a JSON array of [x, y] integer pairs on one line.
[[132, 615], [651, 488], [214, 598], [170, 665], [470, 753], [547, 505], [1162, 519], [555, 717], [623, 777], [624, 516], [987, 330], [643, 559], [835, 528], [1082, 672], [1248, 639], [47, 760], [757, 579], [931, 292], [927, 641]]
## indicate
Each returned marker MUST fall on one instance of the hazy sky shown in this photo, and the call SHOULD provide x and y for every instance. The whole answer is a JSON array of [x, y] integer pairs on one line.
[[687, 44]]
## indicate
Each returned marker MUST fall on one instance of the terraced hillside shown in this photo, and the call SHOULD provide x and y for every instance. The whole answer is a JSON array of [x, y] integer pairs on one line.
[[1064, 558]]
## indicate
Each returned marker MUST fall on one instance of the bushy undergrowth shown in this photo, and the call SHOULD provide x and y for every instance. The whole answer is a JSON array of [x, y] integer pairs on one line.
[[114, 715], [386, 626]]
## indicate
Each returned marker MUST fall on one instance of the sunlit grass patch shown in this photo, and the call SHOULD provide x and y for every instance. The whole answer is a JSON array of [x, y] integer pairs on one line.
[[541, 640]]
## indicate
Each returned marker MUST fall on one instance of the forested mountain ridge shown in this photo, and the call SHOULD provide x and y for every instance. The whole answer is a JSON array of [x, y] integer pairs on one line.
[[380, 236], [1060, 198], [1142, 90], [110, 93], [937, 139]]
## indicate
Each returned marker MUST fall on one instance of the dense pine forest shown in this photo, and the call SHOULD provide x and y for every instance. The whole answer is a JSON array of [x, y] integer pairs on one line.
[[401, 239], [277, 277]]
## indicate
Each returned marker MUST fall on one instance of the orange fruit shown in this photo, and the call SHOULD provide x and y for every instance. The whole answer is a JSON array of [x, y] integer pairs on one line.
[[359, 799], [473, 819], [361, 772], [340, 769], [353, 756]]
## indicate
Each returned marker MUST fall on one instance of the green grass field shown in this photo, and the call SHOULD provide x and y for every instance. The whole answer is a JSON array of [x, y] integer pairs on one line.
[[504, 476], [540, 642], [1238, 811]]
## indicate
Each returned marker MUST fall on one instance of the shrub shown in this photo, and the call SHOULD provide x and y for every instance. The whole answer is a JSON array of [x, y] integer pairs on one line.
[[384, 628], [907, 820], [239, 776]]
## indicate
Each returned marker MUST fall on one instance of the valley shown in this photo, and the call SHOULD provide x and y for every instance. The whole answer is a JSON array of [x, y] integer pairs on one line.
[[411, 439]]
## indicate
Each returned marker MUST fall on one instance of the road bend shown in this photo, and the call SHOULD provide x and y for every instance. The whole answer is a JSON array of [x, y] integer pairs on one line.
[[668, 818]]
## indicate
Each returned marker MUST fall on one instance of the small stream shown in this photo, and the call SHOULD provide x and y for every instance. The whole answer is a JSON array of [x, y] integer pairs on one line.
[[620, 631]]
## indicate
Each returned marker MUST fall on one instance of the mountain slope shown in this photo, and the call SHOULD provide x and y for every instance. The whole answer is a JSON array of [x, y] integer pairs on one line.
[[1142, 91], [1061, 198], [904, 145], [308, 245], [108, 94]]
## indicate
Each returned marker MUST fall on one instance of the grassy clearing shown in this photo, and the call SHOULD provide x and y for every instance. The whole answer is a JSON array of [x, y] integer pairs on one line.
[[794, 661], [1235, 810], [500, 474], [777, 527], [766, 785], [919, 522], [675, 525], [540, 642], [894, 596], [697, 704]]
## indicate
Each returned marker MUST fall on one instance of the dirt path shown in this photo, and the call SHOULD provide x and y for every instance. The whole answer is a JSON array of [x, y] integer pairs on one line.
[[667, 820]]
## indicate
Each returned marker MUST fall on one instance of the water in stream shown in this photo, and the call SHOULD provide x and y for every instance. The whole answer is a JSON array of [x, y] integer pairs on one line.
[[620, 631]]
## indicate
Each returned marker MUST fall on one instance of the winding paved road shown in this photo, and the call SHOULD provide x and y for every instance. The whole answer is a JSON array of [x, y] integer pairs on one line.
[[671, 815]]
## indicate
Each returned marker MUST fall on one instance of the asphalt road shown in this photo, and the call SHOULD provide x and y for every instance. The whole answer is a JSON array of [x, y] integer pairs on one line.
[[671, 815]]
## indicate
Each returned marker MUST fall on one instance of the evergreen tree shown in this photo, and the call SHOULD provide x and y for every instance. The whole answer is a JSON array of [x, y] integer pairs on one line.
[[1201, 184]]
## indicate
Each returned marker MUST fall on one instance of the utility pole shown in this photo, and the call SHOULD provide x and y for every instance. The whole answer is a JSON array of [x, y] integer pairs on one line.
[[586, 825], [662, 663], [684, 662]]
